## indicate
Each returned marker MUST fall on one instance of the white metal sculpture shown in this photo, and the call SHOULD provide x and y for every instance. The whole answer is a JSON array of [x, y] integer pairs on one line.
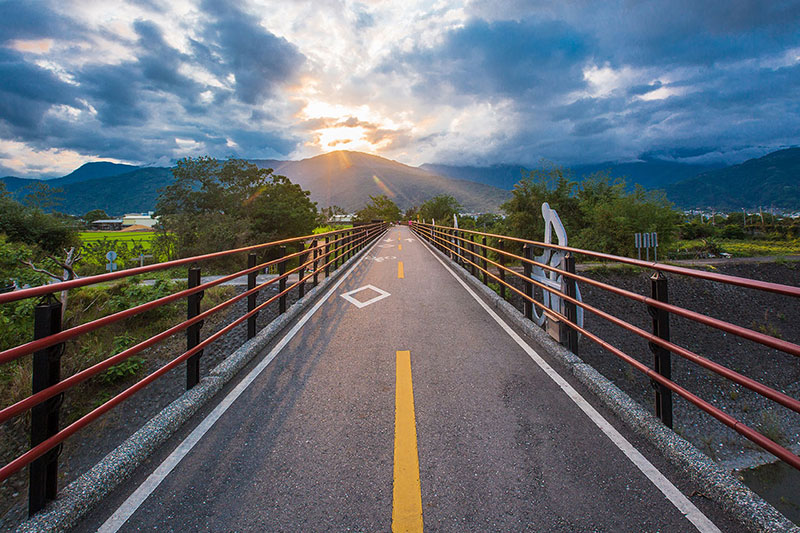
[[554, 258]]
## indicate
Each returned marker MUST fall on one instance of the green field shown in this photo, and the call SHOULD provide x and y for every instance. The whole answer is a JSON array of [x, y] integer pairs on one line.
[[743, 248], [145, 237]]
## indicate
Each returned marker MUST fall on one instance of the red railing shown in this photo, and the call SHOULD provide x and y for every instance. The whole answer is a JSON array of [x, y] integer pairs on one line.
[[317, 255], [462, 246]]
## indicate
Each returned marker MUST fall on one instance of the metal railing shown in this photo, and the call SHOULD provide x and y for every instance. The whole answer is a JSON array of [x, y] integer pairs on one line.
[[462, 246], [317, 255]]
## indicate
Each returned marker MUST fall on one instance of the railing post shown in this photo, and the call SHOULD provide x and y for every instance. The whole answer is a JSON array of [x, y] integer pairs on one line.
[[282, 282], [315, 247], [301, 288], [43, 472], [472, 269], [327, 256], [193, 331], [251, 299], [662, 363], [570, 309], [527, 253], [483, 261], [502, 273]]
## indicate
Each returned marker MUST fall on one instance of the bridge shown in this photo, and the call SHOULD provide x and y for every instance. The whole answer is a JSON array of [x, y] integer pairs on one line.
[[402, 393]]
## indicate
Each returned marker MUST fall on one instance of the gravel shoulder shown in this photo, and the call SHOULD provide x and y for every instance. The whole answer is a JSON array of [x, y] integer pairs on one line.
[[90, 445], [769, 313]]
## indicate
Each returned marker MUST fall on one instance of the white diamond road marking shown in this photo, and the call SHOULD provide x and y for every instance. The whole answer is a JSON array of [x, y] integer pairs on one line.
[[349, 296]]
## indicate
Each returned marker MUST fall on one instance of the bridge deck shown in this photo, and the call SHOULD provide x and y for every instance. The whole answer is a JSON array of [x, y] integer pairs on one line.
[[310, 444]]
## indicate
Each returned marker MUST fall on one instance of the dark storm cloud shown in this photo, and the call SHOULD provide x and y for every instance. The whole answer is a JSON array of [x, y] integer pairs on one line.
[[258, 59], [32, 20], [27, 92], [501, 58]]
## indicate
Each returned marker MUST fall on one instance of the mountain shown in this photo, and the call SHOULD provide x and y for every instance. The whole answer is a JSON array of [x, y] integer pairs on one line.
[[501, 176], [649, 173], [131, 192], [770, 181], [347, 179], [90, 171]]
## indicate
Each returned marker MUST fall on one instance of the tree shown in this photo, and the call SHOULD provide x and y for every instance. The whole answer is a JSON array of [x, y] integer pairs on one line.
[[40, 195], [379, 207], [30, 225], [599, 213], [440, 208], [213, 206], [326, 214], [281, 209], [95, 214]]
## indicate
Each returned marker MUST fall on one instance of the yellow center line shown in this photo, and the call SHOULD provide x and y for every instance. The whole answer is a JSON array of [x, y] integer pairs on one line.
[[400, 273], [400, 247], [407, 501]]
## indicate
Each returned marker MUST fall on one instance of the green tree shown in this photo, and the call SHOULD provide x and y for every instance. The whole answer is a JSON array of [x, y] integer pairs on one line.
[[599, 213], [32, 226], [440, 208], [326, 214], [524, 209], [281, 209], [95, 214], [39, 195], [213, 206], [379, 207]]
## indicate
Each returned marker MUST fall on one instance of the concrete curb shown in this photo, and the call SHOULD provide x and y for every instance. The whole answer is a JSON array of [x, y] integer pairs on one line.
[[733, 496], [80, 496]]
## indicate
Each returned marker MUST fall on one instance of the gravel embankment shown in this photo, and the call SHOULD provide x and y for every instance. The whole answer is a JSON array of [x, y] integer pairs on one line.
[[774, 314], [90, 445]]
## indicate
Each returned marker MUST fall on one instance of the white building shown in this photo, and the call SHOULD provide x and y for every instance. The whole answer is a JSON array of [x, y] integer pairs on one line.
[[139, 219]]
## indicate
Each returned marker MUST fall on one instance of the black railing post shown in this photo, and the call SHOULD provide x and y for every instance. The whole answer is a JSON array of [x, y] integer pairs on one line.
[[251, 298], [193, 331], [301, 288], [43, 472], [501, 271], [527, 253], [315, 247], [570, 309], [662, 363], [327, 256], [282, 282], [472, 268], [483, 261]]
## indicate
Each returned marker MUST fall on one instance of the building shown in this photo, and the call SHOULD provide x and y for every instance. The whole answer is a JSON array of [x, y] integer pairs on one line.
[[139, 219], [110, 224]]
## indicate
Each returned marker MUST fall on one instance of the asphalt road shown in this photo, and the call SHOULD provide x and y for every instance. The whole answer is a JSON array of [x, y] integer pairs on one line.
[[311, 444]]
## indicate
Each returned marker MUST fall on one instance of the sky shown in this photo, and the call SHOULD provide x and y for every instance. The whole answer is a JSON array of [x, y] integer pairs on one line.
[[147, 82]]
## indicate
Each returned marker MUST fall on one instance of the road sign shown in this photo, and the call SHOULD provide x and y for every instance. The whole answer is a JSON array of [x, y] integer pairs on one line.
[[111, 255]]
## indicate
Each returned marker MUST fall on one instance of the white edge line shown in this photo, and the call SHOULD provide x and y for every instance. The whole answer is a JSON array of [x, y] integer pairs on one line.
[[135, 500], [675, 496]]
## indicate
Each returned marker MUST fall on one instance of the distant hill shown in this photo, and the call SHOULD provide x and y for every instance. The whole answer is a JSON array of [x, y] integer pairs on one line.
[[90, 171], [649, 173], [347, 179], [118, 193], [131, 192], [770, 181]]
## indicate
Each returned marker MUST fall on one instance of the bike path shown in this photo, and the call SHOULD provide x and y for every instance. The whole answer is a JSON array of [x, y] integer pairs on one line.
[[311, 443]]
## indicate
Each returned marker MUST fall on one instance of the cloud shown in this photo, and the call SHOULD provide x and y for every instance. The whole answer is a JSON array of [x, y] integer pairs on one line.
[[259, 61], [499, 59], [495, 81]]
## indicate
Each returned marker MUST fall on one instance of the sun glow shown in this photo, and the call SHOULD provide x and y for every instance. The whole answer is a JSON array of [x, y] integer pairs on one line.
[[342, 127]]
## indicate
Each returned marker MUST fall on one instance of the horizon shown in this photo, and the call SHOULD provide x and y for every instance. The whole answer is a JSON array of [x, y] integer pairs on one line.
[[470, 83]]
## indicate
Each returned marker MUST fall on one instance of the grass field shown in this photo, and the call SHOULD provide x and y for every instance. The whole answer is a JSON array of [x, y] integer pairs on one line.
[[90, 236], [746, 248]]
